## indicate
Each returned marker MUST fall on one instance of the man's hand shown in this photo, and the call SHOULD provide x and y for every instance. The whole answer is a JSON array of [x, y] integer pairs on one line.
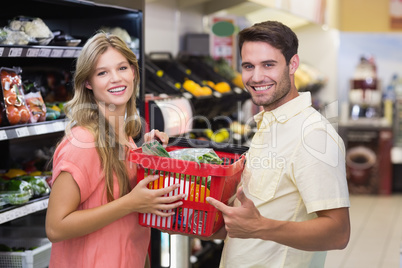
[[242, 221]]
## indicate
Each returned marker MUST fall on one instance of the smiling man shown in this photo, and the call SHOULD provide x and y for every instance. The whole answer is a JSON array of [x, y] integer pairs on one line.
[[293, 202]]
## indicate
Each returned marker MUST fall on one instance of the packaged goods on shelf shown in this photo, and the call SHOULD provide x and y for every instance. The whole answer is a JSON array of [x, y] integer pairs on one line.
[[16, 109]]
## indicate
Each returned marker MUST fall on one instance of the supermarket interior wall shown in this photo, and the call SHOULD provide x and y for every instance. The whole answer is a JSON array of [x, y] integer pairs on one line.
[[165, 24], [319, 48]]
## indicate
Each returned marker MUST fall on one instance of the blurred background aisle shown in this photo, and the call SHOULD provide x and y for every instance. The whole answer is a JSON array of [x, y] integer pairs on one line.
[[376, 236]]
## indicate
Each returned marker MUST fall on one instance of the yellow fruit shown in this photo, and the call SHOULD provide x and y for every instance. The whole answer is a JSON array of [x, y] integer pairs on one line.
[[222, 87], [210, 84], [196, 89], [238, 81], [14, 172], [206, 91], [56, 108], [35, 173]]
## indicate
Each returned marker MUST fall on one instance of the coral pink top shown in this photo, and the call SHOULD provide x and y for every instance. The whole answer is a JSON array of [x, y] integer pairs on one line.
[[123, 243]]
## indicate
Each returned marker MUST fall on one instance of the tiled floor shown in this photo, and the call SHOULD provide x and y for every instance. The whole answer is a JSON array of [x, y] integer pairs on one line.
[[376, 236]]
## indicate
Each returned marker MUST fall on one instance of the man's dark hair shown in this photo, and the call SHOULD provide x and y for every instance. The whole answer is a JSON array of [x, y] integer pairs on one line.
[[274, 33]]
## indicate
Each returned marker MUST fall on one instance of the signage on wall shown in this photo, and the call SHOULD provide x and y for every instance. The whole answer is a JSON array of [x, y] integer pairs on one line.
[[223, 39], [395, 13]]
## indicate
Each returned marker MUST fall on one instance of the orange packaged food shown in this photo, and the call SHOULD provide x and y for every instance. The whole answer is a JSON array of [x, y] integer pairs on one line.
[[16, 109]]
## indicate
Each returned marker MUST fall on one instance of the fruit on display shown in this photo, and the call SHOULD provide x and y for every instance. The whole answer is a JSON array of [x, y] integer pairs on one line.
[[13, 115], [35, 103], [195, 88], [17, 111], [222, 87]]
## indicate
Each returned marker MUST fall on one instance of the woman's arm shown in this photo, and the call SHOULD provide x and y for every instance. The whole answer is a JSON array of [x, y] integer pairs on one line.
[[64, 221]]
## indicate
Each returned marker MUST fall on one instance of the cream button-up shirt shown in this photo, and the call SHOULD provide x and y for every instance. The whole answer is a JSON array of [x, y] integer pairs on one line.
[[295, 167]]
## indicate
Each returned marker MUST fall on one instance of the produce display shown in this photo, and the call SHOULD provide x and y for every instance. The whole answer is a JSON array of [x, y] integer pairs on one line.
[[35, 29], [17, 111], [20, 189]]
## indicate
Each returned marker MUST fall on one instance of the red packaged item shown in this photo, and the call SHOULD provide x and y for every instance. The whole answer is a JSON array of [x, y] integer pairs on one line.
[[16, 109], [37, 107]]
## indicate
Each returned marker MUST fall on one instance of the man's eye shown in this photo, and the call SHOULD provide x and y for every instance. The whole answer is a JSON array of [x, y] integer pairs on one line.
[[247, 66]]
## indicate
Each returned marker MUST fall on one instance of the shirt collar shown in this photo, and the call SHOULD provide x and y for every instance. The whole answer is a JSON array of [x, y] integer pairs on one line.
[[285, 111]]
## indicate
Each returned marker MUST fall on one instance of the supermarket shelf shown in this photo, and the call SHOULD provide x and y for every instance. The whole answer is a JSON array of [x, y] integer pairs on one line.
[[26, 130], [39, 51], [58, 52], [14, 212]]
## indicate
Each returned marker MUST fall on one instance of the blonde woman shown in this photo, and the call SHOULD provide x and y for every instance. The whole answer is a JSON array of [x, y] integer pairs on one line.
[[92, 216]]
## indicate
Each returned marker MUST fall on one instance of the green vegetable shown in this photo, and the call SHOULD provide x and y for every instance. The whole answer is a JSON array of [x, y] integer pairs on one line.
[[154, 148]]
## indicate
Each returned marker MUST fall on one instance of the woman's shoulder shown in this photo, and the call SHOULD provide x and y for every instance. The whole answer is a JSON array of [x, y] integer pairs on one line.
[[80, 134]]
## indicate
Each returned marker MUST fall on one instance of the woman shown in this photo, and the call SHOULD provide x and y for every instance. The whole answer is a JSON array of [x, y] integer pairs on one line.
[[92, 216]]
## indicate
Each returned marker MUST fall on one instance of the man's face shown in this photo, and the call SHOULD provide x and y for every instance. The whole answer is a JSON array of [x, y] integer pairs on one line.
[[266, 75]]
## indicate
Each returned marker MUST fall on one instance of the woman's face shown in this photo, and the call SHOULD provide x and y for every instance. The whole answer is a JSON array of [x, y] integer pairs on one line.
[[112, 81]]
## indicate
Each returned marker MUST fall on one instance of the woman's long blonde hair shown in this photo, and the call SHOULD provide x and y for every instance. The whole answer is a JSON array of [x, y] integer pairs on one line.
[[82, 110]]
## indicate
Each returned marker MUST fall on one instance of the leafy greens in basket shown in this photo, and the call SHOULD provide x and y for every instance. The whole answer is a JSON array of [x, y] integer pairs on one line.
[[199, 155]]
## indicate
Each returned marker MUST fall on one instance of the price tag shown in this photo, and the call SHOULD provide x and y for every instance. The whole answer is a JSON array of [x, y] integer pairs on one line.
[[58, 126], [22, 132], [3, 135], [1, 51], [77, 53], [32, 52], [69, 53], [41, 129], [15, 52], [56, 53], [217, 94], [44, 52]]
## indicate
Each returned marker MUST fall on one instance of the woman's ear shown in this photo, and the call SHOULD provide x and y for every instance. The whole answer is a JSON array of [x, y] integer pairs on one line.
[[87, 85]]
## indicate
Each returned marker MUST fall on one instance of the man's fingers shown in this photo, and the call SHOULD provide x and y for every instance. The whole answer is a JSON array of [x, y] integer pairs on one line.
[[241, 196], [217, 204]]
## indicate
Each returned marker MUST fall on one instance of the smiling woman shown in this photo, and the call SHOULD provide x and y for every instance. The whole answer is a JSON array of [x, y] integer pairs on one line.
[[92, 215]]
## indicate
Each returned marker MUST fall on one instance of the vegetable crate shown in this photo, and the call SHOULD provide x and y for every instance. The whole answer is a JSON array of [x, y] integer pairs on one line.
[[198, 181], [37, 257]]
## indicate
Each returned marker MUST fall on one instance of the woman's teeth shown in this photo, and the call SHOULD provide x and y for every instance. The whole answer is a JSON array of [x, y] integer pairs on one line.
[[118, 89]]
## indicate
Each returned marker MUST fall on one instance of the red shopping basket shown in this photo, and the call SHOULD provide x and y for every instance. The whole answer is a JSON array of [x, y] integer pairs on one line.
[[198, 181]]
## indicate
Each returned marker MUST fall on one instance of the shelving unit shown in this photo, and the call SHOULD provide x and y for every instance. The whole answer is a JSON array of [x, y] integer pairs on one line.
[[80, 19]]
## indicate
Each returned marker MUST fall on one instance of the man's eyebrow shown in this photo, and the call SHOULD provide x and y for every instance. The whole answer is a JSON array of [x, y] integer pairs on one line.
[[269, 61]]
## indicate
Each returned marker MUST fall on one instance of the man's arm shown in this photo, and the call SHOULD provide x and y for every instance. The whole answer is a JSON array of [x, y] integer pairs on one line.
[[330, 230]]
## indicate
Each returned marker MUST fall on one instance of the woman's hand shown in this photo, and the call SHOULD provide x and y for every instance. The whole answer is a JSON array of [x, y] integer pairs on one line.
[[156, 134], [156, 201]]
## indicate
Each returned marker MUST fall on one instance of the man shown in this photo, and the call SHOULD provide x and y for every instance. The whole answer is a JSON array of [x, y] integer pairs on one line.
[[293, 204]]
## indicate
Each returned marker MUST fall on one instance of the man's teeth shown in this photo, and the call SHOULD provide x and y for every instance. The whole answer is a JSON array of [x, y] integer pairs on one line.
[[261, 88], [118, 89]]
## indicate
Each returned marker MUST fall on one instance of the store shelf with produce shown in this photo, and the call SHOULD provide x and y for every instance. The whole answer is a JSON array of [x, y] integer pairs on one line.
[[10, 213], [26, 130], [44, 63]]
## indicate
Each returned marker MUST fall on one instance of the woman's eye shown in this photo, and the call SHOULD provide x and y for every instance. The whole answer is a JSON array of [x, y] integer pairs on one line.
[[101, 73], [123, 68]]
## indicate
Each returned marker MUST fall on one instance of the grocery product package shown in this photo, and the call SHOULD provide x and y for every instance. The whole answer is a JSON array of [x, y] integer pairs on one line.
[[37, 107], [14, 102], [15, 192], [199, 155]]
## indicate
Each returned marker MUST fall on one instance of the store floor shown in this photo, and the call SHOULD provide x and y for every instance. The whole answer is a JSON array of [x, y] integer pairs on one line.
[[376, 236]]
